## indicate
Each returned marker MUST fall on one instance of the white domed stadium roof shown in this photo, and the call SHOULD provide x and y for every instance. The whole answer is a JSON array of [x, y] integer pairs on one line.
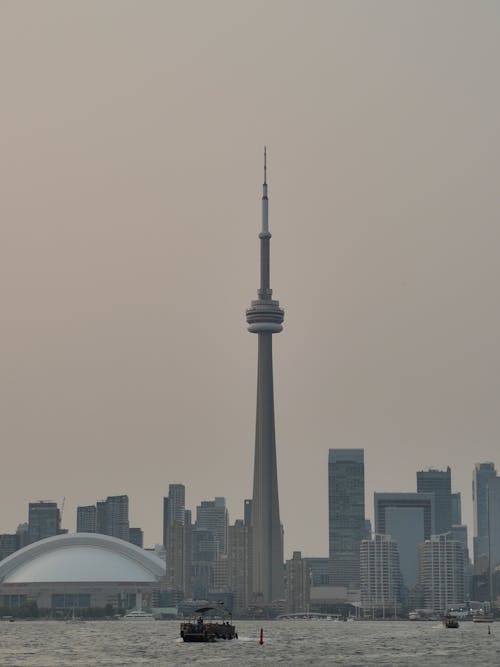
[[81, 557]]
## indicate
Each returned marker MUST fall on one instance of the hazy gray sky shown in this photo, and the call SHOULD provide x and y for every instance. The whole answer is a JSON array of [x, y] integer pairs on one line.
[[131, 138]]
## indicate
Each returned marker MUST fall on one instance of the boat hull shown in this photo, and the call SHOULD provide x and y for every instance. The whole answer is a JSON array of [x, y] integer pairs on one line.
[[207, 632]]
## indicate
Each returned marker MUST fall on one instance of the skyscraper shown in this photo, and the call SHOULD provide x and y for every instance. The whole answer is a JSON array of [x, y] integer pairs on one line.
[[408, 518], [456, 509], [493, 528], [265, 318], [442, 564], [481, 475], [438, 482], [238, 553], [173, 508], [380, 575], [112, 517], [346, 514], [44, 520], [212, 515], [298, 584], [177, 531], [86, 519]]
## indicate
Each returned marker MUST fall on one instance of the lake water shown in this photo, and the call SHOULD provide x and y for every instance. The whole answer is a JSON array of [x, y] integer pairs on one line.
[[130, 643]]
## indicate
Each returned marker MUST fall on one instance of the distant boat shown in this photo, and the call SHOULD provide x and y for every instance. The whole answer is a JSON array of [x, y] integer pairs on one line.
[[481, 617], [450, 622], [139, 615]]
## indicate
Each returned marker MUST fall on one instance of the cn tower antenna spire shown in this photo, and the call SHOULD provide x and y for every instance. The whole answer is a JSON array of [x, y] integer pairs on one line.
[[265, 202]]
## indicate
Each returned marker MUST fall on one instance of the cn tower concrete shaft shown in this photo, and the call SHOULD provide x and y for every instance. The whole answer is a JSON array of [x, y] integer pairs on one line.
[[265, 318]]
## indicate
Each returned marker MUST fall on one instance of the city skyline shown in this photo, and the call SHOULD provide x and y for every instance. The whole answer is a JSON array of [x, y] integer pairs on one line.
[[131, 173], [375, 508]]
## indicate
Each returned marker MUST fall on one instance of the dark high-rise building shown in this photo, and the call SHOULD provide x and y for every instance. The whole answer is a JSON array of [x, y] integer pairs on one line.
[[247, 512], [265, 318], [136, 536], [173, 508], [44, 520], [298, 584], [493, 528], [346, 514], [238, 564], [117, 523], [24, 535], [481, 475], [438, 482], [107, 517], [177, 536], [9, 542], [408, 518], [212, 515], [456, 509], [86, 519], [204, 553]]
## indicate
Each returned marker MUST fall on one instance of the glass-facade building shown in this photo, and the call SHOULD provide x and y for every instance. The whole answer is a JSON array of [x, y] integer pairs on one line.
[[438, 482], [86, 519], [409, 520], [346, 514], [44, 520], [482, 474]]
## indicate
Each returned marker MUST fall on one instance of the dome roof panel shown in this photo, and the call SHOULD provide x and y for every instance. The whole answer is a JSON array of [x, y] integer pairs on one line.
[[82, 557]]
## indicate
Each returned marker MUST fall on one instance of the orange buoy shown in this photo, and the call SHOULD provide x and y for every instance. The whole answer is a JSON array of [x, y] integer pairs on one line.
[[261, 640]]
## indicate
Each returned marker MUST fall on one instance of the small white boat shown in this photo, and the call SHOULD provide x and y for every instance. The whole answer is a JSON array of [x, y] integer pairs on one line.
[[139, 615]]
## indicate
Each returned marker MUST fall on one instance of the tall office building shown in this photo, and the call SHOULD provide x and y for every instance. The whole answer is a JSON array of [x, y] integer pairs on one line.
[[442, 573], [24, 534], [408, 518], [247, 512], [9, 542], [346, 514], [107, 517], [493, 528], [238, 564], [205, 553], [173, 508], [380, 577], [298, 584], [86, 519], [177, 536], [265, 318], [438, 482], [212, 515], [112, 517], [136, 536], [44, 520], [481, 475], [456, 509]]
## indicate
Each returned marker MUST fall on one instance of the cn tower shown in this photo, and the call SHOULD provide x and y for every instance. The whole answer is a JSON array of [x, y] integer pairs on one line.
[[265, 318]]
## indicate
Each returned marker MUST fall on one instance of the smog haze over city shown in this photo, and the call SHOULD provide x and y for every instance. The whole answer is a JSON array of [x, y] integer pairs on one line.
[[132, 136]]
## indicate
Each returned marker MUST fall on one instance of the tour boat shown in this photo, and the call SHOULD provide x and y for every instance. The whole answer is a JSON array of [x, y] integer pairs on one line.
[[200, 630]]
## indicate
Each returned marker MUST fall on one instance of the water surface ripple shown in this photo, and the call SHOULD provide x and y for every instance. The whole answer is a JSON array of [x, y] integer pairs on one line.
[[297, 643]]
